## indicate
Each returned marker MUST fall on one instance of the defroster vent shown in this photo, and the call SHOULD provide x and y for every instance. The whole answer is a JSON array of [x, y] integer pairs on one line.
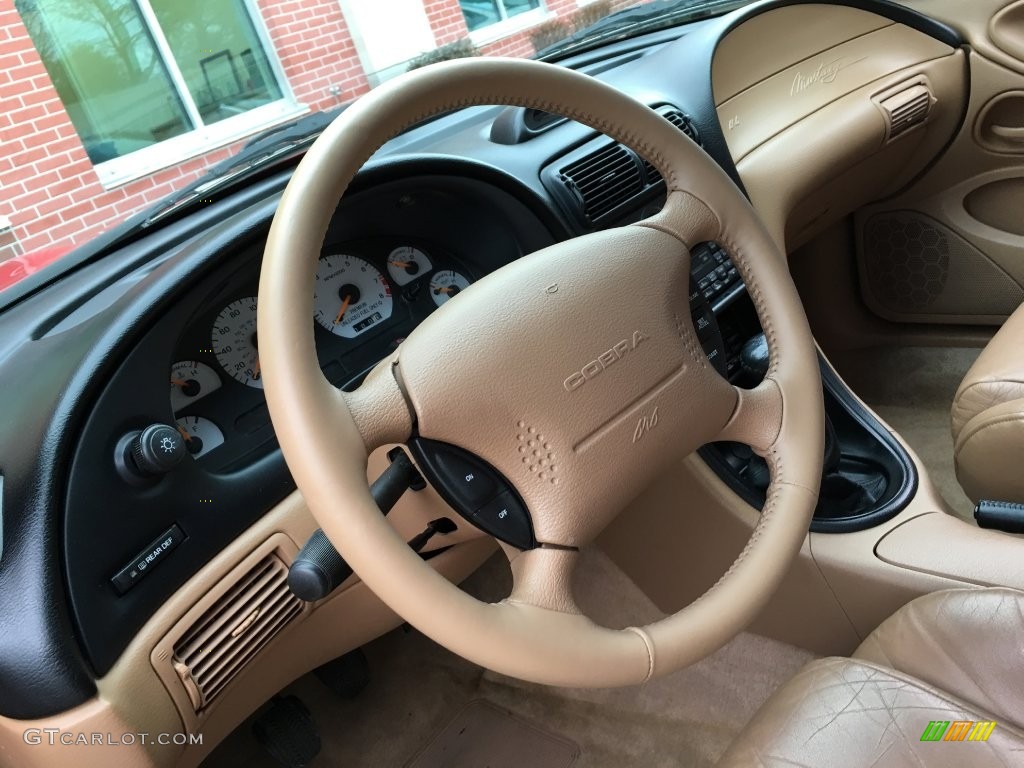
[[234, 630]]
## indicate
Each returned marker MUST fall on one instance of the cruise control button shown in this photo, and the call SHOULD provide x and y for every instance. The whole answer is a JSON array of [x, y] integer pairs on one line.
[[469, 480], [505, 519], [463, 480]]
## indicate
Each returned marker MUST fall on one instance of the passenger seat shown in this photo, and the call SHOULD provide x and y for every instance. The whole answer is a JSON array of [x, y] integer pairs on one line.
[[988, 419]]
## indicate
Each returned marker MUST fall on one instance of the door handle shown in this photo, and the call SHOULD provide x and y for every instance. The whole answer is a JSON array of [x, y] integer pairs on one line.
[[1008, 133]]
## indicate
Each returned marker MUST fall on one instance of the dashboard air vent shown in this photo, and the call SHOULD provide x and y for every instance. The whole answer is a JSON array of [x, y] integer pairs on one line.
[[234, 630], [604, 179], [683, 123], [906, 109]]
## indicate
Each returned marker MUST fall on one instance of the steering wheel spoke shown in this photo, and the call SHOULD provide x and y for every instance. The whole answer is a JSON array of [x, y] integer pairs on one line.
[[378, 408], [686, 217], [543, 577], [757, 419]]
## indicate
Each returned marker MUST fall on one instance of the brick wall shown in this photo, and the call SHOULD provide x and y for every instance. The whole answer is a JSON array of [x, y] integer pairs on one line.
[[316, 50], [48, 188], [446, 19]]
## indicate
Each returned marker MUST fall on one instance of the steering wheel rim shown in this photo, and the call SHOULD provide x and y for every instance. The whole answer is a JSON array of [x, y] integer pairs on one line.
[[326, 436]]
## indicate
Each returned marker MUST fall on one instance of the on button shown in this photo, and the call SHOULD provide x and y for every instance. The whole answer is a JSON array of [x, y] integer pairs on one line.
[[469, 482]]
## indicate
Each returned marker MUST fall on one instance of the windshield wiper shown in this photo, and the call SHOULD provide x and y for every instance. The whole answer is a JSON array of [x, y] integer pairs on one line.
[[631, 22], [260, 151]]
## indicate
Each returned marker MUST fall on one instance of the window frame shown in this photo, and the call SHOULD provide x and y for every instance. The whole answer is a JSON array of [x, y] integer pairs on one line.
[[202, 138], [510, 25]]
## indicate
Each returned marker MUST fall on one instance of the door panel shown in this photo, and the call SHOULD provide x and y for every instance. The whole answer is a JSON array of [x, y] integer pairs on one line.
[[951, 248]]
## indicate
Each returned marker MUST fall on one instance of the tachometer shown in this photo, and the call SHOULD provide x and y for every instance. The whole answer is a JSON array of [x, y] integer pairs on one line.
[[235, 344], [201, 435], [351, 296], [406, 263], [446, 284], [191, 380]]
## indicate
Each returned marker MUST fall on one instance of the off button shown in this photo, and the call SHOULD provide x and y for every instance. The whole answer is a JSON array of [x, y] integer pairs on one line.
[[505, 519]]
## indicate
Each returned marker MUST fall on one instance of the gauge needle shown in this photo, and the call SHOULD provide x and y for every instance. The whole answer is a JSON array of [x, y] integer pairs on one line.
[[184, 433], [179, 383], [442, 288], [341, 312], [400, 264], [256, 370]]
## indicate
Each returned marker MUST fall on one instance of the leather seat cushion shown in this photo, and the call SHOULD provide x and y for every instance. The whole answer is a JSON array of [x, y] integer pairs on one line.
[[997, 376], [847, 713], [948, 656], [987, 418], [968, 642], [989, 453]]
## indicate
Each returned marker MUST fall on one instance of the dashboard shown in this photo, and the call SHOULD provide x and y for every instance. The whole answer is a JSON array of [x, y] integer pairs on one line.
[[393, 255], [162, 332]]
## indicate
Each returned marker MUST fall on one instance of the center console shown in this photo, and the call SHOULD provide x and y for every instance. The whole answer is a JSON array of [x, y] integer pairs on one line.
[[867, 476]]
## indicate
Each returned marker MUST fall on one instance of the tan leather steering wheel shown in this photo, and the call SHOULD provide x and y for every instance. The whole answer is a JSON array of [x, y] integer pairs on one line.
[[570, 348]]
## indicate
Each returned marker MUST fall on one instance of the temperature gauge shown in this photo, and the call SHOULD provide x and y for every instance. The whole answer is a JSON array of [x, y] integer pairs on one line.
[[446, 284], [405, 264], [191, 380], [201, 435]]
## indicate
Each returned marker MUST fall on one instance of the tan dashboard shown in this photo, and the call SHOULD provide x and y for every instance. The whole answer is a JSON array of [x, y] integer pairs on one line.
[[825, 108]]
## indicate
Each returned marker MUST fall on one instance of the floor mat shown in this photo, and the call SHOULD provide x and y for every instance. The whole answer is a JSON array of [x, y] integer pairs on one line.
[[912, 389], [417, 687], [485, 735]]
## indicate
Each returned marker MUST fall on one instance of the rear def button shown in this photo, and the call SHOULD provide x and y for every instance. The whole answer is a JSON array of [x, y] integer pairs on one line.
[[505, 519]]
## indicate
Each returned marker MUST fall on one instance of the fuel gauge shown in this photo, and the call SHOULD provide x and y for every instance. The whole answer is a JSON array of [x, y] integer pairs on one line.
[[201, 435], [406, 263], [446, 284], [191, 380]]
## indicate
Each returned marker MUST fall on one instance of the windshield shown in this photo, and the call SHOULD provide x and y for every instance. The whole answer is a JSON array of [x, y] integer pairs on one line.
[[116, 107]]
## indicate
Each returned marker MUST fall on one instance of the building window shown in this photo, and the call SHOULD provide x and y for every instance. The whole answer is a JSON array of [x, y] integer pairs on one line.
[[484, 13], [135, 73]]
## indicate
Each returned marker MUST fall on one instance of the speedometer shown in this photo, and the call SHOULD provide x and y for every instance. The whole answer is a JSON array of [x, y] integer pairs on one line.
[[351, 296], [235, 344]]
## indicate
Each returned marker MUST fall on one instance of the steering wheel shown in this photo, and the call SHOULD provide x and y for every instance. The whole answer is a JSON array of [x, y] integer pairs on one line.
[[586, 348]]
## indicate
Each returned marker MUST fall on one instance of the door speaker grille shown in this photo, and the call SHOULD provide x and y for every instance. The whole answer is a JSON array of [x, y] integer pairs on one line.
[[914, 268]]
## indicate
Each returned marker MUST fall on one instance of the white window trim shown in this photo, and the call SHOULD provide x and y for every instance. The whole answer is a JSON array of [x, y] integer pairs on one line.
[[510, 26], [174, 151], [207, 138]]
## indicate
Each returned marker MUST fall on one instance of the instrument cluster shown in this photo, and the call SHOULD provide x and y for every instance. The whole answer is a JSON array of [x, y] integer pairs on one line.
[[367, 297]]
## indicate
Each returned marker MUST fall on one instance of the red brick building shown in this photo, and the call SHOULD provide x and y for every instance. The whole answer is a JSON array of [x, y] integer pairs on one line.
[[109, 105]]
